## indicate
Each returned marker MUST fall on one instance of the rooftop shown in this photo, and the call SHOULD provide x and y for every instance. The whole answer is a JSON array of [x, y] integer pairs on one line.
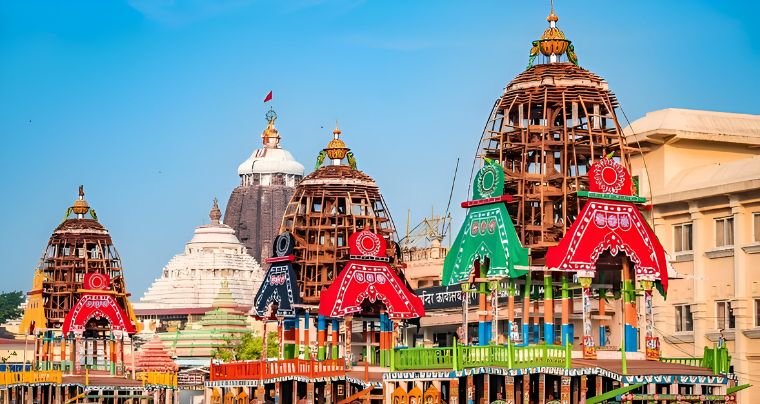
[[663, 125]]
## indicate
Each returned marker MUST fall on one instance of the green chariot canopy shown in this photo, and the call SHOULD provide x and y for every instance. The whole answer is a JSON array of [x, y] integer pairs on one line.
[[487, 232]]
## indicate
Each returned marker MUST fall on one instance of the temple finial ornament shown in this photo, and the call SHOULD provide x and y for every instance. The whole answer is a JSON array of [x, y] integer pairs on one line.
[[552, 43], [336, 149], [271, 136], [80, 206], [216, 213]]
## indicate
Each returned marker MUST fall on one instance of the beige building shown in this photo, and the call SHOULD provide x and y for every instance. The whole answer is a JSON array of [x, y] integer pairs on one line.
[[701, 170]]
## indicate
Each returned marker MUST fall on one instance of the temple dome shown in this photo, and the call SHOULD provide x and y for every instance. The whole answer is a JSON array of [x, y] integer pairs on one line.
[[268, 160]]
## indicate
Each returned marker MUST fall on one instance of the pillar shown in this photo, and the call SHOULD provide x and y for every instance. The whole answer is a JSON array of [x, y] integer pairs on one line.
[[347, 340], [584, 389], [277, 392], [526, 311], [630, 313], [328, 392], [321, 334], [454, 391], [484, 321], [306, 336], [63, 353], [76, 348], [486, 388], [564, 392], [511, 328], [310, 392], [534, 325], [599, 385], [526, 388], [509, 389], [548, 308], [297, 337], [384, 340], [112, 353], [264, 343], [335, 339], [602, 329], [470, 390], [652, 342], [494, 334], [280, 336], [589, 350], [567, 331], [542, 387]]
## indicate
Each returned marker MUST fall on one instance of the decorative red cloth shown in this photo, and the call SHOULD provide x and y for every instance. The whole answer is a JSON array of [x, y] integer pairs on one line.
[[97, 302], [607, 224], [367, 275]]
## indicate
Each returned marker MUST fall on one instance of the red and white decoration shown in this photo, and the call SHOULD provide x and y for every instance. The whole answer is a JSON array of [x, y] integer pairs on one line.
[[97, 302], [607, 224], [369, 276]]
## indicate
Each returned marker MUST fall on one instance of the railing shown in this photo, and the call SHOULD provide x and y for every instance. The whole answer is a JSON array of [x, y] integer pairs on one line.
[[45, 376], [462, 357], [427, 358], [158, 379], [256, 370], [716, 359]]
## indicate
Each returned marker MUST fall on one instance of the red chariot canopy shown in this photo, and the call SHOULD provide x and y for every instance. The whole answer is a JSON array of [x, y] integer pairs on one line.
[[97, 303], [369, 276], [610, 221]]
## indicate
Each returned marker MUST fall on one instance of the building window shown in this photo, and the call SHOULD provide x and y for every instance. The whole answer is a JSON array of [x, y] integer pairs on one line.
[[682, 237], [757, 312], [756, 218], [724, 232], [684, 319], [725, 315]]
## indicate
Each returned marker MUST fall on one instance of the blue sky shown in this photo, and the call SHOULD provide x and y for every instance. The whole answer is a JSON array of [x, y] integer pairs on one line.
[[152, 104]]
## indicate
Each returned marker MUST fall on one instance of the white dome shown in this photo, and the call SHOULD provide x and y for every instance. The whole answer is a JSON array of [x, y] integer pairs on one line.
[[268, 160], [217, 234]]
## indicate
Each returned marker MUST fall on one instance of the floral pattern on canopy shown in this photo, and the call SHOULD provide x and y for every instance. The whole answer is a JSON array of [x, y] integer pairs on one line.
[[610, 221], [487, 232], [97, 302], [369, 276]]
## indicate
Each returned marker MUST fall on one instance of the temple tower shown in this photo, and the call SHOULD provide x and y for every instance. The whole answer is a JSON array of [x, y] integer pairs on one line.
[[267, 180], [191, 280], [551, 122]]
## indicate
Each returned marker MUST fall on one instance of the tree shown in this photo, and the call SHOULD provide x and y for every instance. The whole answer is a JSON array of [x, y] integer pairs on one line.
[[9, 305], [247, 348]]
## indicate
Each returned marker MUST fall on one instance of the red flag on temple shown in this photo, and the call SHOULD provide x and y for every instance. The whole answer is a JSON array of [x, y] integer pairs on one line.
[[268, 97]]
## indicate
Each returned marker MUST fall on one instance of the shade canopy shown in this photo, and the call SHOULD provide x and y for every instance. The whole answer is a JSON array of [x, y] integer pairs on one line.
[[369, 276], [487, 232]]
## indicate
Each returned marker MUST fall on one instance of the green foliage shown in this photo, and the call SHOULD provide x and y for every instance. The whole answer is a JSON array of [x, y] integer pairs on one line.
[[273, 345], [9, 305], [247, 348]]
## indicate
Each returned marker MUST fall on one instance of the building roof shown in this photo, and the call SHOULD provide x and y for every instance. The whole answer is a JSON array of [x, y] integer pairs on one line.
[[713, 179], [659, 126]]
